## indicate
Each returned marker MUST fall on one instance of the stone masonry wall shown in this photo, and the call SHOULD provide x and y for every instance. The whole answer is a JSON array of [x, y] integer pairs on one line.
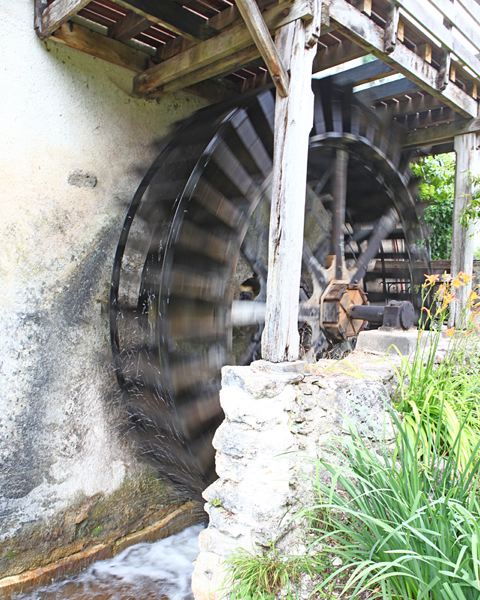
[[278, 420]]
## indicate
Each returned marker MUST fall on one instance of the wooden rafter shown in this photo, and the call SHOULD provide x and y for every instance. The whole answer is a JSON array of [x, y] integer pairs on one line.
[[166, 13], [131, 25], [263, 41]]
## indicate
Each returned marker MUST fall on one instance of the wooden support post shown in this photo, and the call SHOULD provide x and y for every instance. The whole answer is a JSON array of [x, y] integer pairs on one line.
[[467, 164], [296, 44]]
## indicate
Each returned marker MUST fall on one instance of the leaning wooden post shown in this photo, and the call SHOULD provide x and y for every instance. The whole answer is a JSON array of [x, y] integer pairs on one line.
[[296, 44], [463, 242]]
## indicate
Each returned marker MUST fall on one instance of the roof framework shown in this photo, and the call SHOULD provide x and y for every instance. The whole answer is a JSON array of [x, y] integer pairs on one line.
[[210, 47]]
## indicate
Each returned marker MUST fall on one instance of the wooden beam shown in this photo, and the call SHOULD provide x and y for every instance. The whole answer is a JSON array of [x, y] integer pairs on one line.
[[170, 15], [371, 71], [370, 36], [221, 47], [115, 52], [131, 25], [58, 13], [101, 46], [263, 41], [293, 122], [433, 136], [385, 91], [463, 240]]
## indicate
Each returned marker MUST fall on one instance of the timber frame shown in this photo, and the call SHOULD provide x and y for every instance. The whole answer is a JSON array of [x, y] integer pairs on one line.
[[218, 49], [423, 69]]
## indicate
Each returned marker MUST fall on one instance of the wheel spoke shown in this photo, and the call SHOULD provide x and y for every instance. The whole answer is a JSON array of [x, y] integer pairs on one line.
[[385, 225], [339, 200]]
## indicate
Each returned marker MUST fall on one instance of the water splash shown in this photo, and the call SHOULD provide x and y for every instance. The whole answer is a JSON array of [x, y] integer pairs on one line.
[[158, 571]]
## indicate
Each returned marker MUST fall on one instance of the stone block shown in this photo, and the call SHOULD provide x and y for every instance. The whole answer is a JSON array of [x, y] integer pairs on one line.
[[387, 341]]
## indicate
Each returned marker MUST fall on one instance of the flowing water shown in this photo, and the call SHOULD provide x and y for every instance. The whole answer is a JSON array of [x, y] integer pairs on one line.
[[158, 571]]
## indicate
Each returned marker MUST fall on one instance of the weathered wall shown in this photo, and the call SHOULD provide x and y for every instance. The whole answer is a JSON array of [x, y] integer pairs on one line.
[[71, 133]]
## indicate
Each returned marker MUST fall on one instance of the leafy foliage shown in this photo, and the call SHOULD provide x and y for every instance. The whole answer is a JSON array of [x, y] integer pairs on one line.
[[436, 187]]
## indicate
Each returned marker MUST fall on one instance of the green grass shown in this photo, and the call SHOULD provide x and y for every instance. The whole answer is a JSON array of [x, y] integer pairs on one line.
[[261, 576], [437, 400], [403, 528]]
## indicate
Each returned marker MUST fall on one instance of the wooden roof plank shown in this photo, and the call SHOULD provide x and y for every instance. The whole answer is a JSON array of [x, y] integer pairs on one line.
[[419, 13], [366, 33], [170, 15]]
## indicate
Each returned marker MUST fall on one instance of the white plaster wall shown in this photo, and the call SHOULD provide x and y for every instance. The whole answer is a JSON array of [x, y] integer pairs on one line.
[[61, 111]]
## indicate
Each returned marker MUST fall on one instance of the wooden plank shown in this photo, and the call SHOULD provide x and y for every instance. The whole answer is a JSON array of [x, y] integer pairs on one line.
[[463, 240], [101, 46], [293, 122], [451, 12], [170, 15], [263, 41], [433, 136], [131, 25], [223, 46], [419, 12], [59, 12], [370, 36], [217, 69]]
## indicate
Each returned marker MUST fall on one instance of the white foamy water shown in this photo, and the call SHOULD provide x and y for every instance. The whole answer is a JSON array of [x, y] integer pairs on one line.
[[162, 570]]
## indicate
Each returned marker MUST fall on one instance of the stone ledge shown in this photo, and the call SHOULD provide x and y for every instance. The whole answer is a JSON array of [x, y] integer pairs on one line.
[[181, 517]]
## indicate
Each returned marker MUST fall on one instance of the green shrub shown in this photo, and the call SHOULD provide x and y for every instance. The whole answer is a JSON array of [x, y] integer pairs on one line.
[[436, 188]]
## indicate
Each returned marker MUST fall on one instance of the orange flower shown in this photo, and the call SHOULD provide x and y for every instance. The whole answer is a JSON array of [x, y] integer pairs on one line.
[[457, 282], [472, 298], [447, 299], [450, 331], [431, 279], [464, 277]]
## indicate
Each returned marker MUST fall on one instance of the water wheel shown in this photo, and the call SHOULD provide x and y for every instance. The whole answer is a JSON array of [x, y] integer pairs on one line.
[[189, 278]]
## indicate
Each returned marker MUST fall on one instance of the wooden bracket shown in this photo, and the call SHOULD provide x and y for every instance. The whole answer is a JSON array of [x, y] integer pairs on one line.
[[315, 24], [263, 41], [39, 7], [444, 71], [391, 27]]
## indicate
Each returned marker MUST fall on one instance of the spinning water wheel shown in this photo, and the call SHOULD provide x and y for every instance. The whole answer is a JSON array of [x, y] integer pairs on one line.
[[189, 280]]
